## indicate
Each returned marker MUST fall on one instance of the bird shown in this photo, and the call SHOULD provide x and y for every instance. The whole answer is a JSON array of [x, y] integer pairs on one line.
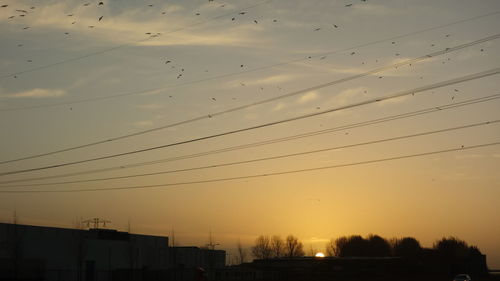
[[67, 33], [348, 5], [233, 19], [255, 21], [197, 14], [353, 53], [336, 26], [482, 50], [163, 13], [86, 4], [150, 5], [73, 22], [100, 18], [20, 45], [168, 61], [242, 13], [456, 90], [322, 58], [26, 27], [11, 17], [70, 15], [91, 26], [317, 29], [275, 20], [22, 11], [447, 35], [4, 6], [241, 65], [393, 42], [214, 99], [100, 3]]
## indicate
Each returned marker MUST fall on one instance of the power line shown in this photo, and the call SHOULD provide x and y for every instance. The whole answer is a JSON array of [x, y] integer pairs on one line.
[[356, 76], [272, 141], [248, 70], [370, 101], [257, 175], [127, 44], [263, 159]]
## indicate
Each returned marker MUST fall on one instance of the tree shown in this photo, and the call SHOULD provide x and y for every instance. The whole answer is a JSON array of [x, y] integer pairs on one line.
[[262, 248], [330, 248], [451, 248], [293, 247], [407, 247], [377, 246], [352, 246], [277, 246], [242, 253]]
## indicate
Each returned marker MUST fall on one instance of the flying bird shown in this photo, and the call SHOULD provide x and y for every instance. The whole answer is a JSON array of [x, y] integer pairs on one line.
[[168, 62], [241, 65], [86, 4], [197, 14], [100, 18], [100, 3], [242, 13], [317, 29], [336, 26], [4, 6], [348, 5], [26, 27], [255, 21], [91, 26], [353, 53], [233, 19], [214, 99], [22, 11]]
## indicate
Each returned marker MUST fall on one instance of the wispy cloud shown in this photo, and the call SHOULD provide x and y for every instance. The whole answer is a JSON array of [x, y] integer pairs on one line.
[[135, 23], [36, 93], [307, 97]]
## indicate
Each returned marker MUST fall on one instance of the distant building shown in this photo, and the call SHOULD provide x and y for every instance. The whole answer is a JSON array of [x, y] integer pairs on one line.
[[57, 254]]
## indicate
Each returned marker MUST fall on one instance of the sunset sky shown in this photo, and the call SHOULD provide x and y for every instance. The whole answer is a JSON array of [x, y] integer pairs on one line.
[[168, 77]]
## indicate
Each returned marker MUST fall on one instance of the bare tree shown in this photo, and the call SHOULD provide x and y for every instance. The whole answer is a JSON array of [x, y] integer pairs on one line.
[[293, 247], [242, 253], [262, 248], [330, 248], [277, 246]]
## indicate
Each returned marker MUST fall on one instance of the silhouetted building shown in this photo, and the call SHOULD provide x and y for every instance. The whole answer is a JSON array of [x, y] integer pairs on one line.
[[49, 253]]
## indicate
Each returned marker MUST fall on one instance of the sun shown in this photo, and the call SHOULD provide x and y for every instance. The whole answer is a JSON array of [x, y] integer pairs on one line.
[[320, 255]]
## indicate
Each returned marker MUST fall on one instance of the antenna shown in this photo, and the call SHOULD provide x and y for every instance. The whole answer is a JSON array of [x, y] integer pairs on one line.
[[211, 244], [96, 222]]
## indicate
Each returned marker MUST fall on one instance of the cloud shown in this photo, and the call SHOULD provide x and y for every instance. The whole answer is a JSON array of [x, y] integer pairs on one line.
[[279, 106], [307, 97], [131, 25], [36, 93]]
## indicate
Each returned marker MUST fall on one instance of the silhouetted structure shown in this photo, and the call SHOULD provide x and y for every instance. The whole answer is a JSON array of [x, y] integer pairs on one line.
[[32, 253]]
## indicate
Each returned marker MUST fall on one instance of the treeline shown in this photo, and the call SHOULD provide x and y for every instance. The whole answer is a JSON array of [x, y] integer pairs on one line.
[[449, 248]]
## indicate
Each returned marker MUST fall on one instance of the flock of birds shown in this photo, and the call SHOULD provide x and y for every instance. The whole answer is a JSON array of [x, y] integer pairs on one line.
[[20, 12]]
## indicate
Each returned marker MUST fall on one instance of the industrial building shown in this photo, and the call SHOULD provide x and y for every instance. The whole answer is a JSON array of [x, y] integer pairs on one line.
[[56, 254]]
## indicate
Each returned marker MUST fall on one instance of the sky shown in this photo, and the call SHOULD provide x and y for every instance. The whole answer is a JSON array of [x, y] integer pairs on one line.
[[313, 118]]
